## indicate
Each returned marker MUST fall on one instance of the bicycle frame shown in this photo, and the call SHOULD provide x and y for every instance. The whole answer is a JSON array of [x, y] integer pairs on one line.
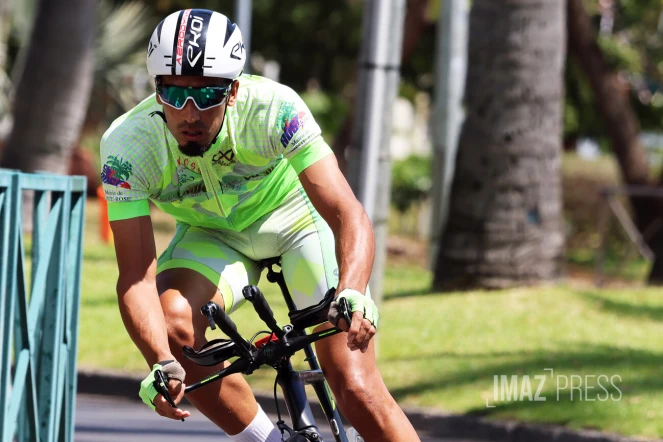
[[292, 382]]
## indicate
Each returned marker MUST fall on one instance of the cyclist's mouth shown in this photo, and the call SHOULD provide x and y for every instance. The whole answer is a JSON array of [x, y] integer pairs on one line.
[[192, 135]]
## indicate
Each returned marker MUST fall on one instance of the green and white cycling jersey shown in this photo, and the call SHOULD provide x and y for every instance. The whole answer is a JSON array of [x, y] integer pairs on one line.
[[268, 137]]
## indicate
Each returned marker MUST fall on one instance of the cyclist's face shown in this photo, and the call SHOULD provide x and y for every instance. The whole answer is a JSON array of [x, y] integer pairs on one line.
[[194, 129]]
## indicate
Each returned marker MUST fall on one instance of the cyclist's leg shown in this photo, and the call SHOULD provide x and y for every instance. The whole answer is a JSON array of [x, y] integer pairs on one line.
[[310, 268], [360, 391], [195, 269]]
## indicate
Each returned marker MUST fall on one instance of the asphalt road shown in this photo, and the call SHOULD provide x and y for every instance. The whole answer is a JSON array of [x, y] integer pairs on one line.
[[110, 419]]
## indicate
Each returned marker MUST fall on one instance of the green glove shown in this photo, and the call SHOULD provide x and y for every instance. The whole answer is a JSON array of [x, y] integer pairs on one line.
[[148, 391], [357, 303]]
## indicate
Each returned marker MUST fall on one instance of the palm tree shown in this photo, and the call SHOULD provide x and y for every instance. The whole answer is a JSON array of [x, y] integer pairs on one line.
[[122, 36], [505, 224], [52, 95]]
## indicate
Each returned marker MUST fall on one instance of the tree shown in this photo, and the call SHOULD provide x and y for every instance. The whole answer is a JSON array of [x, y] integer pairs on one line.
[[505, 225], [612, 100], [52, 95]]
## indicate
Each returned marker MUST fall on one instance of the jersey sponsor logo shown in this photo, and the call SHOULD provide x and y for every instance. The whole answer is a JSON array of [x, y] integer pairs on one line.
[[194, 190], [189, 164], [181, 35], [118, 199], [226, 158], [287, 112], [259, 175], [234, 185], [116, 172], [186, 176], [292, 127]]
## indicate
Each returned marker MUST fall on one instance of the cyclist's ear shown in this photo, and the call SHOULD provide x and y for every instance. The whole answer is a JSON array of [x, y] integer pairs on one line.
[[232, 97]]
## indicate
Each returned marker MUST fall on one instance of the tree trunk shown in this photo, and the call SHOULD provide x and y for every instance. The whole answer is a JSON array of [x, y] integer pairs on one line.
[[505, 226], [53, 92], [612, 101], [611, 95]]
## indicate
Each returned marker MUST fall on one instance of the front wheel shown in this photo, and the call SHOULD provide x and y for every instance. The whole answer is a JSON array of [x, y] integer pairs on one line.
[[353, 436]]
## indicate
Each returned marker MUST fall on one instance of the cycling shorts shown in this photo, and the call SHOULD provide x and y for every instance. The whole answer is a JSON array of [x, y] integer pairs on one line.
[[294, 231]]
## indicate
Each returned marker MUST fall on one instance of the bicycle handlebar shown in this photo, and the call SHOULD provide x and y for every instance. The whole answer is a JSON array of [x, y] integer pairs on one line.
[[215, 314], [239, 366], [269, 354], [290, 340], [254, 296]]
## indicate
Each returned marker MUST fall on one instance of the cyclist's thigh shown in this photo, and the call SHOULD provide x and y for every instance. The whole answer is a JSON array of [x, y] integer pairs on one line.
[[308, 253], [197, 249]]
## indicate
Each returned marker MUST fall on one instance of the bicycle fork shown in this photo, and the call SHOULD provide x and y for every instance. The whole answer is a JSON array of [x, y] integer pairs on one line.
[[316, 378], [294, 381], [292, 384]]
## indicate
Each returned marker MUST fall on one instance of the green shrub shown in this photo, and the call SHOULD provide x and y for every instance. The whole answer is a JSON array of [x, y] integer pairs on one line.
[[410, 181]]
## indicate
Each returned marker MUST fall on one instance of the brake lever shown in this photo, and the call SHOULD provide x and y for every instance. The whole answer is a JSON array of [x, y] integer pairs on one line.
[[346, 314], [161, 385]]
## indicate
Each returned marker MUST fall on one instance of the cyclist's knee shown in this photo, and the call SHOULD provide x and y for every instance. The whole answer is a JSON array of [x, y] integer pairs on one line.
[[179, 319], [182, 293], [352, 388]]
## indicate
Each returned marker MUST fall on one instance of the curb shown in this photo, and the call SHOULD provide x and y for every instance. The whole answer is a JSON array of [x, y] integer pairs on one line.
[[432, 423]]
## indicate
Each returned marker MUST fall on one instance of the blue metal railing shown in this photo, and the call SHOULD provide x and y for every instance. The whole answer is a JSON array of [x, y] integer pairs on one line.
[[39, 320]]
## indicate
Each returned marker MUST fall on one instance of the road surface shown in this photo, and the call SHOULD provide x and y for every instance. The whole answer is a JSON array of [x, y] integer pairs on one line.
[[111, 419]]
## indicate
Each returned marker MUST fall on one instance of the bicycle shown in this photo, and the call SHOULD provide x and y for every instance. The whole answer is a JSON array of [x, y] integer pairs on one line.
[[274, 350]]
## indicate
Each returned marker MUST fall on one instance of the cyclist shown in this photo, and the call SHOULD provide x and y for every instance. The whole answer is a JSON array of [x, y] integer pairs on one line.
[[240, 163]]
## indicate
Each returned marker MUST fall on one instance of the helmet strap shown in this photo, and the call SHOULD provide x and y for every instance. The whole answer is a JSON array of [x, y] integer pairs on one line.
[[222, 121]]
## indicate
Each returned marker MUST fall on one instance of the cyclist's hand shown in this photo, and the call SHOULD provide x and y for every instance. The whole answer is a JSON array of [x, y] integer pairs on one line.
[[163, 408], [151, 397], [364, 318]]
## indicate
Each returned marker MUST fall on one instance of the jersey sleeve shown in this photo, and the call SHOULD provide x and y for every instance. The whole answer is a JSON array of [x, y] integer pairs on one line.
[[127, 176], [295, 133]]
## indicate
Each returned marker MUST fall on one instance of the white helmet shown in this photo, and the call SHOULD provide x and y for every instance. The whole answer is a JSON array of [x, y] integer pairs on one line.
[[196, 42]]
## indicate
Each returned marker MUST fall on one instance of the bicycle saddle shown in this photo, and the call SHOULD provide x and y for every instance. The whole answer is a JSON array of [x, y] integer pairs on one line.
[[313, 315], [270, 262], [212, 353]]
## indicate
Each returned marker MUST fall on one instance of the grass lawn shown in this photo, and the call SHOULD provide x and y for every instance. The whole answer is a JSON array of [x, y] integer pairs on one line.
[[443, 351]]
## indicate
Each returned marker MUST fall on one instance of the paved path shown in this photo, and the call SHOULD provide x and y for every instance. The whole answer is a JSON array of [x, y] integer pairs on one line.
[[109, 419]]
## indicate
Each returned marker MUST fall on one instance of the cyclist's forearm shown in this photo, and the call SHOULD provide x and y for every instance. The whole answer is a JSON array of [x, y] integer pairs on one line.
[[144, 320], [355, 248]]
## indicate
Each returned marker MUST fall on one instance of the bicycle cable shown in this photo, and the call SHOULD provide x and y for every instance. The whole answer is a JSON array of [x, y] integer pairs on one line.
[[260, 333], [276, 401]]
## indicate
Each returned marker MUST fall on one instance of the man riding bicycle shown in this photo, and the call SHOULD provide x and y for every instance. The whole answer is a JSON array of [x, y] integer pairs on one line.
[[240, 163]]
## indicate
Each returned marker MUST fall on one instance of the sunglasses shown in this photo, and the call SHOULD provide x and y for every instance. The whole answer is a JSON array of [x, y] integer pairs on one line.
[[203, 97]]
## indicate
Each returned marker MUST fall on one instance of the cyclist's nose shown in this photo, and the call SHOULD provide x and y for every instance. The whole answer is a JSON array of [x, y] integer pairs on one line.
[[190, 112]]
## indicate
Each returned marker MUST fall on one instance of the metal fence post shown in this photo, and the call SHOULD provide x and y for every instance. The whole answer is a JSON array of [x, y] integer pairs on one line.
[[38, 403]]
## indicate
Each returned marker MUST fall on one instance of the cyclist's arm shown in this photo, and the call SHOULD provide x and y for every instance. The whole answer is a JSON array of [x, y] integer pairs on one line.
[[138, 298], [332, 197], [129, 172]]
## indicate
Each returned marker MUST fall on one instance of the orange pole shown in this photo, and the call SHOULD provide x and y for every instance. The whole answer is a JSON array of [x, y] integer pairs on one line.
[[104, 226]]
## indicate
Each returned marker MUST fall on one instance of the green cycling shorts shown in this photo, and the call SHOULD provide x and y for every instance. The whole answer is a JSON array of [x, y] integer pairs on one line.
[[294, 231]]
